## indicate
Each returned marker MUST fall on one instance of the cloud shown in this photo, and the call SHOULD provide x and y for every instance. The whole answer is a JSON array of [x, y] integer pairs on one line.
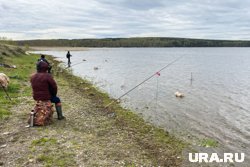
[[142, 4], [211, 19]]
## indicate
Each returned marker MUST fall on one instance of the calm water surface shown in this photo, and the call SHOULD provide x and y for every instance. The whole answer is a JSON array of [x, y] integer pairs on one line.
[[216, 104]]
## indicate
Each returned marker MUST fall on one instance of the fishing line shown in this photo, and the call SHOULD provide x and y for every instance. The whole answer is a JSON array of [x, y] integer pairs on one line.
[[157, 92], [157, 73], [74, 65]]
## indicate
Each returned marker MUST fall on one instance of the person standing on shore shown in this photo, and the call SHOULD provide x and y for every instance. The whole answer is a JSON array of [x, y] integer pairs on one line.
[[44, 88], [44, 60], [68, 57]]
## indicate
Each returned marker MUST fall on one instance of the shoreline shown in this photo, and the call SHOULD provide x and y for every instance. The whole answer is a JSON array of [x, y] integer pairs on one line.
[[91, 135], [109, 103], [40, 48]]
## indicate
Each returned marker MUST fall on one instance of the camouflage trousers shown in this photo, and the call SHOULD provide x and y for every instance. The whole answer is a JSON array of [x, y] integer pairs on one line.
[[43, 113]]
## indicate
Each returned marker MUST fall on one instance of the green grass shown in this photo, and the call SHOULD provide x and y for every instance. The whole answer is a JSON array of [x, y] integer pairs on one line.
[[49, 155], [48, 160], [209, 143], [52, 159], [19, 78], [44, 141], [4, 113]]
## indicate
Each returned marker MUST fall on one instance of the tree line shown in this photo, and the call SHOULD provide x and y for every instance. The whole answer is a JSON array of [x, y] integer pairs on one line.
[[5, 40], [135, 42]]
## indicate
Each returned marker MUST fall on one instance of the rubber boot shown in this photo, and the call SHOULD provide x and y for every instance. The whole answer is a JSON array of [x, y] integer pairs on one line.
[[59, 112]]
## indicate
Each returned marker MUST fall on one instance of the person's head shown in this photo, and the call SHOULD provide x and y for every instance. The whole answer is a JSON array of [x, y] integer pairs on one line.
[[42, 67], [43, 56]]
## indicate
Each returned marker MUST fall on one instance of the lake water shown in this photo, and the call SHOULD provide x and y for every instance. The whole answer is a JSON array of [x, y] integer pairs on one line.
[[216, 104]]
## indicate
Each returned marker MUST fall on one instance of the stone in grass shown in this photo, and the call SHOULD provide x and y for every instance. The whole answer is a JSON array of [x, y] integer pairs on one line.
[[3, 146]]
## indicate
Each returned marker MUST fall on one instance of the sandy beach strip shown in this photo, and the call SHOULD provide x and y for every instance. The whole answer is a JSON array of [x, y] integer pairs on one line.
[[37, 48]]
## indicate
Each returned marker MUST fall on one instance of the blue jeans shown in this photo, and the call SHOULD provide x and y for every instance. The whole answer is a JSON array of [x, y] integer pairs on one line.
[[55, 99]]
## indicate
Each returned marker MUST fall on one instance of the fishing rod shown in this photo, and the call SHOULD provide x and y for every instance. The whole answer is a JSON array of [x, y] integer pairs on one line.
[[5, 91], [75, 64], [157, 73]]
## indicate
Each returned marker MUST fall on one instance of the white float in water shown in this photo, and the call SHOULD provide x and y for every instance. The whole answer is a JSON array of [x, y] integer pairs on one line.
[[179, 94]]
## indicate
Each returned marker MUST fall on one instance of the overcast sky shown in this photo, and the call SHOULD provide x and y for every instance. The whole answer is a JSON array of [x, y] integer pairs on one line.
[[47, 19]]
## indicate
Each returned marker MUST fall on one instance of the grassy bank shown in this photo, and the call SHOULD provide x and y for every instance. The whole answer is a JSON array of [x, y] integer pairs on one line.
[[92, 135], [19, 77]]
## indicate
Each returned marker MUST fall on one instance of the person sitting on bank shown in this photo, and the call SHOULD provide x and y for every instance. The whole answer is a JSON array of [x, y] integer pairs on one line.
[[42, 58], [68, 57], [44, 87]]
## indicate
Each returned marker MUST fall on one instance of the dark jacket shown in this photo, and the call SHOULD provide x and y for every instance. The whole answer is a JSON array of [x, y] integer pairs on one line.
[[68, 55], [43, 85]]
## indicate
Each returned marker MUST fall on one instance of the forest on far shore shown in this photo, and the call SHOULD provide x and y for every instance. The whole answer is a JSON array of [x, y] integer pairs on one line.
[[134, 42]]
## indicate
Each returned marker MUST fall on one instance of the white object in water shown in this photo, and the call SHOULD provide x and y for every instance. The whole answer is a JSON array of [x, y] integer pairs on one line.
[[178, 94]]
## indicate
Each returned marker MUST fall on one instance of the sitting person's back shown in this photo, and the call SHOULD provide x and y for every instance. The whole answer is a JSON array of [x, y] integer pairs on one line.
[[45, 88], [43, 85]]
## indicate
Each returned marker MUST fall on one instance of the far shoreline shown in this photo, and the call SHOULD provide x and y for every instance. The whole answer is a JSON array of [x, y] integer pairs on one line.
[[44, 48]]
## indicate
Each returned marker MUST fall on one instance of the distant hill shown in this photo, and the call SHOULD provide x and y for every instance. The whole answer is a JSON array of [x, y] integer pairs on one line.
[[136, 42], [8, 51]]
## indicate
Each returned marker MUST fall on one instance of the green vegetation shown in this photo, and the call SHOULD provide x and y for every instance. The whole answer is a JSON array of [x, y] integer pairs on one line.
[[4, 113], [136, 42], [49, 156], [51, 160], [5, 40], [43, 141], [209, 143], [19, 78]]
